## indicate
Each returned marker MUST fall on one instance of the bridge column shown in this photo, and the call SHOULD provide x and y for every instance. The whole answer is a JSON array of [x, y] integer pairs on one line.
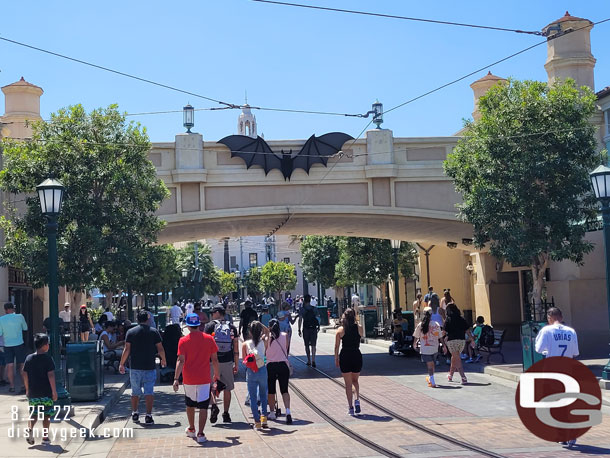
[[379, 147], [190, 173]]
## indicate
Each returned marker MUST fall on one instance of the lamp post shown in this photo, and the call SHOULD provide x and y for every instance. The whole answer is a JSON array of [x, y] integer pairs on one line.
[[188, 120], [51, 192], [395, 248], [184, 281], [600, 178]]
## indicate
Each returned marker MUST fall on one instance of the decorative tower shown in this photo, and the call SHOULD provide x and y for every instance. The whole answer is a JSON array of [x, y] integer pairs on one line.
[[480, 87], [246, 124], [21, 104], [569, 55]]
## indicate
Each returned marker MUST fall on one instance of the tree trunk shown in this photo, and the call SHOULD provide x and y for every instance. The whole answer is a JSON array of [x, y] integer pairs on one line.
[[538, 271]]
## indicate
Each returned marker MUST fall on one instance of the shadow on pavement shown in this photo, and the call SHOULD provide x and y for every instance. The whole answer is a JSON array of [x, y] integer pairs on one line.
[[448, 387], [590, 449], [295, 422], [369, 417], [274, 431], [216, 443], [55, 449], [160, 425], [236, 425]]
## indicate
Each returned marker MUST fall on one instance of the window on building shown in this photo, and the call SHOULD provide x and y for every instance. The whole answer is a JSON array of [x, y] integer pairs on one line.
[[233, 262], [607, 112], [253, 260], [287, 260]]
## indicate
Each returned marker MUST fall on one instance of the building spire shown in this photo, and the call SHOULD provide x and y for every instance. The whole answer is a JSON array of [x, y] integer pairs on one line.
[[246, 123]]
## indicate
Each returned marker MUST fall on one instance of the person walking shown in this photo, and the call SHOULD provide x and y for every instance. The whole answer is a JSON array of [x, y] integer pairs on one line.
[[308, 329], [39, 380], [12, 326], [278, 369], [349, 359], [417, 308], [195, 351], [445, 301], [227, 340], [455, 330], [66, 313], [142, 343], [428, 333], [253, 356], [85, 323], [265, 315], [247, 316], [175, 314]]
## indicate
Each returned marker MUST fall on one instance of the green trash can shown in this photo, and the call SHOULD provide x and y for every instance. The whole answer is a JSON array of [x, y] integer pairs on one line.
[[323, 314], [161, 320], [368, 318], [529, 331], [85, 370]]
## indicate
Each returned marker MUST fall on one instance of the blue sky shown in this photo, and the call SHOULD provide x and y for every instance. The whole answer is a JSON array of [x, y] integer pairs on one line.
[[284, 57]]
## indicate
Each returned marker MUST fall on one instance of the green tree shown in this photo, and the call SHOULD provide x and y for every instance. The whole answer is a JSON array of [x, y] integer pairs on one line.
[[319, 258], [112, 193], [277, 277], [253, 282], [364, 260], [523, 172], [210, 279], [158, 269], [228, 282]]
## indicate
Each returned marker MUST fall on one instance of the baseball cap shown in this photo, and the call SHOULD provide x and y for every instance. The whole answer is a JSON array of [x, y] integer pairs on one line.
[[218, 308], [192, 319], [83, 306]]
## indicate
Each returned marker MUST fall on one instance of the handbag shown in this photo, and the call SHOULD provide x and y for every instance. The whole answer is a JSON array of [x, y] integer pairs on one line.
[[250, 362], [290, 368]]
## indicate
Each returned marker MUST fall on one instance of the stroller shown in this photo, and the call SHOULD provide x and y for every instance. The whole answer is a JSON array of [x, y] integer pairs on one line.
[[171, 336], [402, 341]]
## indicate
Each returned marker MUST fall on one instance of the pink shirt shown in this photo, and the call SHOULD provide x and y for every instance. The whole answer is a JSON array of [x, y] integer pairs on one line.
[[276, 352]]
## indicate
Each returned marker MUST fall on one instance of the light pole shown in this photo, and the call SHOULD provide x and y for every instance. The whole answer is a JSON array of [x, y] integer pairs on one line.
[[600, 178], [395, 249], [51, 192], [188, 114], [184, 282]]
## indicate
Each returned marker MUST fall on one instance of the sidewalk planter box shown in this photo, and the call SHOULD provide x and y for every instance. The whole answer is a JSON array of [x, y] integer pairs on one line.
[[323, 314], [529, 331], [85, 371]]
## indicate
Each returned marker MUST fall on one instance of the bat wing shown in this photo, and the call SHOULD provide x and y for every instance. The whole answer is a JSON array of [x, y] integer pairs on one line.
[[254, 151], [318, 149]]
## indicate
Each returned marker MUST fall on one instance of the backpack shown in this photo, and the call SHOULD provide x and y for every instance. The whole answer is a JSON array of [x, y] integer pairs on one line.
[[434, 301], [487, 336], [223, 336], [309, 318]]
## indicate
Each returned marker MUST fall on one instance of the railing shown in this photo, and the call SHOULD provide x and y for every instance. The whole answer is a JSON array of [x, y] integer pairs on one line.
[[537, 312]]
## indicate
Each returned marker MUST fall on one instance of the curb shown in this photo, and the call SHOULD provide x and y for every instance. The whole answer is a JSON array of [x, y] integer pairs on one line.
[[501, 373]]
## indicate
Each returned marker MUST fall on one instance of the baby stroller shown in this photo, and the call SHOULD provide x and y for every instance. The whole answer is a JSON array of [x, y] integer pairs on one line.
[[402, 341], [171, 336]]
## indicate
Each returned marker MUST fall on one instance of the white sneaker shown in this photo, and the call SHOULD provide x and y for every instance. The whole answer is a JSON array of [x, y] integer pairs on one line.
[[190, 432], [201, 439], [271, 416]]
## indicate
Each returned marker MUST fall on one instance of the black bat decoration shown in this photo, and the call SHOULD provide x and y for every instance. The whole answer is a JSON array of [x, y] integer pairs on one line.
[[255, 151]]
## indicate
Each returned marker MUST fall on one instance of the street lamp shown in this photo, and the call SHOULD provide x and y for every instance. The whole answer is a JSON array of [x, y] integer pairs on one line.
[[184, 281], [377, 113], [600, 178], [51, 192], [188, 117], [395, 248]]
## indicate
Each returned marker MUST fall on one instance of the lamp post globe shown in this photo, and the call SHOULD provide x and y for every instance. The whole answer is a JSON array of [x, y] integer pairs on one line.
[[51, 194], [188, 120], [600, 179]]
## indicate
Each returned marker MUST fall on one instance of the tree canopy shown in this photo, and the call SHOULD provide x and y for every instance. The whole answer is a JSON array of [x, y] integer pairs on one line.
[[523, 172], [277, 277], [112, 193], [319, 258], [210, 278], [228, 282]]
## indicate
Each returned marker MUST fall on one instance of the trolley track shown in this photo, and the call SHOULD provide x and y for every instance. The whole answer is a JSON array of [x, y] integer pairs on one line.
[[370, 444]]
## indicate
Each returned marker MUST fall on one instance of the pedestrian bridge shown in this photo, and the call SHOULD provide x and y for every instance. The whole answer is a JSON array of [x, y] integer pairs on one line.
[[379, 186]]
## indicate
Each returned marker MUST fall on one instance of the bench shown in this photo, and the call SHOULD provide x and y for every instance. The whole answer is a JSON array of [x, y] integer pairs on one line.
[[496, 348]]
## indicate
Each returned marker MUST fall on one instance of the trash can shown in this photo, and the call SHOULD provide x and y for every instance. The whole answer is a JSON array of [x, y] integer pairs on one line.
[[368, 319], [161, 320], [529, 331], [85, 371], [409, 316], [323, 314]]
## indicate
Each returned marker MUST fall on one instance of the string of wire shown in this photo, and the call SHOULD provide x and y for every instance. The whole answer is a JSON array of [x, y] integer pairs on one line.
[[393, 16]]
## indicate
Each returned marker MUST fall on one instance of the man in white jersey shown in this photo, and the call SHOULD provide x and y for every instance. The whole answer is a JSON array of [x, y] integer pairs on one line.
[[557, 339]]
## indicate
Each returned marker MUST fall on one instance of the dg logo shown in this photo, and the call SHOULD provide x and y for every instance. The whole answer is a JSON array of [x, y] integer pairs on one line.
[[559, 399]]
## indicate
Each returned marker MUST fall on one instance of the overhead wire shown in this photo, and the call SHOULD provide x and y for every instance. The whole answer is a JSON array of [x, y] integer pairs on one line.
[[393, 16]]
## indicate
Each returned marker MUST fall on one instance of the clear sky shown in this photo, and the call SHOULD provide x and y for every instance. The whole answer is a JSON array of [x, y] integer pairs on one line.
[[284, 57]]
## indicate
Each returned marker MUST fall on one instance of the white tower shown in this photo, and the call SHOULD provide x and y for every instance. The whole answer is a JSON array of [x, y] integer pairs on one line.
[[246, 124]]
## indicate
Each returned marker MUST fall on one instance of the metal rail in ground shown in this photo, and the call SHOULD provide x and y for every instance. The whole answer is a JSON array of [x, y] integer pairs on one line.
[[393, 414]]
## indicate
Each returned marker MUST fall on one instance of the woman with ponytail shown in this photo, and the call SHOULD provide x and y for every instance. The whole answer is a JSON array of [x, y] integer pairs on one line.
[[278, 369], [428, 333]]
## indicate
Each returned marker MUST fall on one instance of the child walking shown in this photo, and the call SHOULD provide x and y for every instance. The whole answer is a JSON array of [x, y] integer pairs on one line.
[[428, 333]]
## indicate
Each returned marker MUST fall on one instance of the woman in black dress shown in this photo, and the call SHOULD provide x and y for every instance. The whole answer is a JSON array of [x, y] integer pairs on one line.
[[349, 359], [85, 323]]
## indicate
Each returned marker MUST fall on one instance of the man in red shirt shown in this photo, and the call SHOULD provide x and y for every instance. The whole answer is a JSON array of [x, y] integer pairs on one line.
[[194, 354]]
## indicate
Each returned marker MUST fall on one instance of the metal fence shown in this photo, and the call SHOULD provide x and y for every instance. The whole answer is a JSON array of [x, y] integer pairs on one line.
[[537, 312]]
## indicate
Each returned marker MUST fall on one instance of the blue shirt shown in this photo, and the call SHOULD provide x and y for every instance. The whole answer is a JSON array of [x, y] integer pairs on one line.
[[11, 327]]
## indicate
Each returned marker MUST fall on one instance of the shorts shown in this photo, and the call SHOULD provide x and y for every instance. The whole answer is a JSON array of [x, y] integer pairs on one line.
[[2, 362], [429, 358], [197, 396], [145, 379], [277, 371], [44, 404], [310, 336], [226, 375], [15, 354], [350, 361], [456, 346]]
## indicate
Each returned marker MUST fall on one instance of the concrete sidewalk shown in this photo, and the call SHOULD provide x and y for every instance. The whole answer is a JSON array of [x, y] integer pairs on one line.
[[88, 415]]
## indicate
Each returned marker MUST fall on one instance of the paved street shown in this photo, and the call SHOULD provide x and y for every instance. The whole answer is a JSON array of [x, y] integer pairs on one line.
[[396, 383]]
